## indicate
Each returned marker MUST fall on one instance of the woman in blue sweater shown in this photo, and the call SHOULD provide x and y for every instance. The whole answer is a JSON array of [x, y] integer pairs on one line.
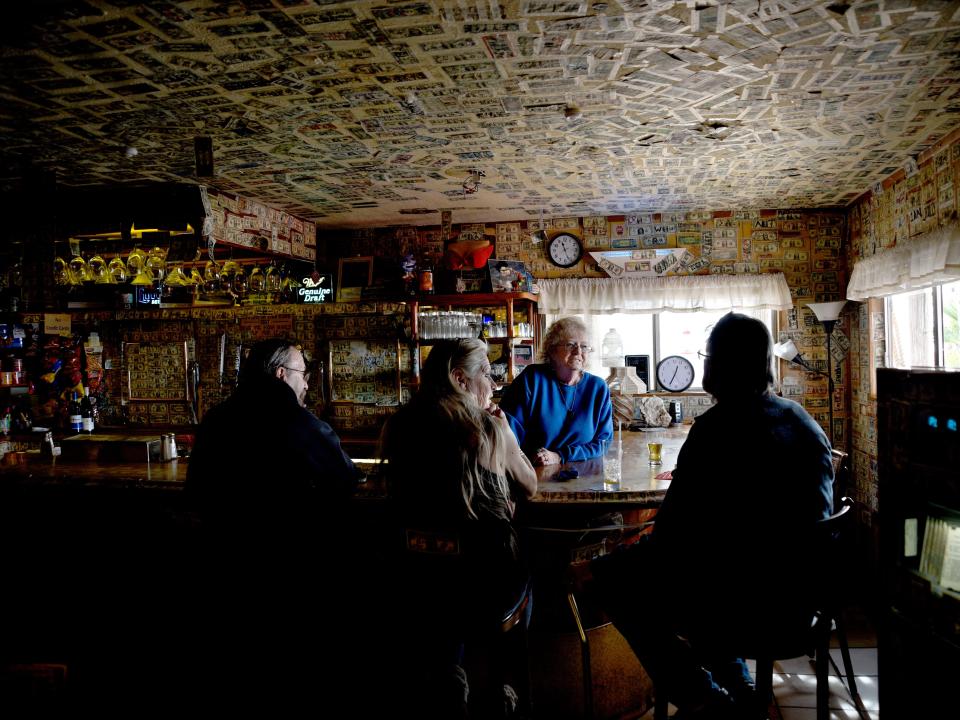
[[558, 411]]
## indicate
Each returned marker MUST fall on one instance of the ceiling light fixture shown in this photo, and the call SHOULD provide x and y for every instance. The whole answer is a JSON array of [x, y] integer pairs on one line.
[[539, 236], [472, 183]]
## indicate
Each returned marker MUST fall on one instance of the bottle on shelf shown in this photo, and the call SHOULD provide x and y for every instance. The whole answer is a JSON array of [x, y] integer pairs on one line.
[[86, 412], [74, 419], [611, 353], [425, 277]]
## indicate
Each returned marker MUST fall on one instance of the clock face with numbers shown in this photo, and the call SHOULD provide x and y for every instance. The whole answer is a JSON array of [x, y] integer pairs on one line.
[[564, 250], [675, 373]]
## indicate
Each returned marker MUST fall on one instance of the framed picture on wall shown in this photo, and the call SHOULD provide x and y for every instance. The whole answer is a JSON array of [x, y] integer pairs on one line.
[[354, 274], [508, 276]]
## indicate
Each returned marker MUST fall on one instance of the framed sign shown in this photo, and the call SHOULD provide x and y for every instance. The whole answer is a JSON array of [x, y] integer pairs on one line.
[[156, 371], [353, 274]]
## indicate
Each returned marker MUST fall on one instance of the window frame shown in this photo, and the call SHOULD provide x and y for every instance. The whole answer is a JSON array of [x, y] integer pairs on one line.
[[937, 314], [770, 318]]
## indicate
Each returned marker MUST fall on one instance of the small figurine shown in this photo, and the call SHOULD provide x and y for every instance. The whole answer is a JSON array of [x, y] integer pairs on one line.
[[409, 265]]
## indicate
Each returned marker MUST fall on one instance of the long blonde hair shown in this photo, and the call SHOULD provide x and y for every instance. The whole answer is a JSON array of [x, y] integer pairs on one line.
[[441, 398]]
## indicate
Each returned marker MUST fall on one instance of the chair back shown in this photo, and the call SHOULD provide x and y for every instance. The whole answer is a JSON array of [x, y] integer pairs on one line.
[[841, 476]]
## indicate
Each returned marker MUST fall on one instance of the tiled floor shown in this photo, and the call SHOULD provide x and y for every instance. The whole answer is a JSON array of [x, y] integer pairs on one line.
[[795, 682]]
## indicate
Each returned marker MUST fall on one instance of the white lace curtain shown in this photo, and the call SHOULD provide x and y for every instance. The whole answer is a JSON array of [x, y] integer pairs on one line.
[[678, 294], [929, 259]]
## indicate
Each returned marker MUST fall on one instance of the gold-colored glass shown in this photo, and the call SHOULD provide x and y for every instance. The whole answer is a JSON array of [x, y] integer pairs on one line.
[[142, 278], [156, 264], [211, 276], [118, 270], [272, 279], [226, 275], [176, 278], [258, 281], [135, 261], [98, 270], [79, 273], [240, 283], [61, 273]]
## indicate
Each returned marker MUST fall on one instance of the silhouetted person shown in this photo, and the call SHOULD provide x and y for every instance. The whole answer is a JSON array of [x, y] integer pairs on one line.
[[730, 556], [271, 485]]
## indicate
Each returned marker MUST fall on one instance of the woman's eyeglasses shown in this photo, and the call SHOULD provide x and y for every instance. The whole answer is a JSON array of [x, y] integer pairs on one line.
[[572, 347]]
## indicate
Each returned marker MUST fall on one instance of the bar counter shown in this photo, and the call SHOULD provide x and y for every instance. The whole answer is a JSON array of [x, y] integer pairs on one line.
[[638, 483], [638, 478], [31, 467]]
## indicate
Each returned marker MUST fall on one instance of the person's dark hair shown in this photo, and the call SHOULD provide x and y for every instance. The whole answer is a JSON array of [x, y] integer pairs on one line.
[[740, 358], [264, 358]]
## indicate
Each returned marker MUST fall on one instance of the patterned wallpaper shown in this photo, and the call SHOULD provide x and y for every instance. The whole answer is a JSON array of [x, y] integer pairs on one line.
[[805, 245], [901, 208], [376, 112]]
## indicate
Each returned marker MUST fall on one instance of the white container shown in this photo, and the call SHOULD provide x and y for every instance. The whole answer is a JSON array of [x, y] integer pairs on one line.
[[611, 351]]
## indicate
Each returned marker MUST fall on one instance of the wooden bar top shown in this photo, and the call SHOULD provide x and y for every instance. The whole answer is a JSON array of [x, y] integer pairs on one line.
[[31, 466], [638, 483]]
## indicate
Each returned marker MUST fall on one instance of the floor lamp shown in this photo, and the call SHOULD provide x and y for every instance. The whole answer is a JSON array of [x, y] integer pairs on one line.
[[827, 314]]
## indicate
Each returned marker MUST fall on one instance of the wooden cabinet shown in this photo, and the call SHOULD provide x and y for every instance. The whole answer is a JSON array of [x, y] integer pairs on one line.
[[508, 321], [918, 412]]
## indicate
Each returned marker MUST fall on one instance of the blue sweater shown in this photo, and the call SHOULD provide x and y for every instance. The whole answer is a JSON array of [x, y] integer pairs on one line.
[[575, 421]]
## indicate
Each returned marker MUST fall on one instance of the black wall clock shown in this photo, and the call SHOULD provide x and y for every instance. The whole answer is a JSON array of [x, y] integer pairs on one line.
[[564, 250], [675, 373]]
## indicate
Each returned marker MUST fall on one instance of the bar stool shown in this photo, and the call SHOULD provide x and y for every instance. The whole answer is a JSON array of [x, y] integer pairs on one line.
[[443, 583], [620, 532], [812, 640]]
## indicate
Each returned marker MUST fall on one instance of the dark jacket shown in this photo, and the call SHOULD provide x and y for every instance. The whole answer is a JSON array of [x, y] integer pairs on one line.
[[733, 542], [271, 485], [265, 467]]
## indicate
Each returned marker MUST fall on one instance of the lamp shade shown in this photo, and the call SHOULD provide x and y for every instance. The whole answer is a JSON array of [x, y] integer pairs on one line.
[[786, 350], [828, 311]]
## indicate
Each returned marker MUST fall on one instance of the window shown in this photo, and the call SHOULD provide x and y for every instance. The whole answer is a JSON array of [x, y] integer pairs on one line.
[[922, 328], [658, 335]]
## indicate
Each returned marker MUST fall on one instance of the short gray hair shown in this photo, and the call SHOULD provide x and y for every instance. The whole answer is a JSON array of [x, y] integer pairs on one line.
[[558, 334], [265, 358]]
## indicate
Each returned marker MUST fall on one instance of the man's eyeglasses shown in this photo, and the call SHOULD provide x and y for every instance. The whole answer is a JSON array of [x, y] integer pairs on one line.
[[572, 347], [702, 355], [305, 373]]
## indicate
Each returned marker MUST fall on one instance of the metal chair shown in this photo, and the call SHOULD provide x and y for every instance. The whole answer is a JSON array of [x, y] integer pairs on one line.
[[829, 616], [812, 640], [620, 532]]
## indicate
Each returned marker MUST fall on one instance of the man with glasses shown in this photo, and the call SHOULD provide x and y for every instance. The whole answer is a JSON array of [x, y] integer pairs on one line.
[[262, 443], [271, 484]]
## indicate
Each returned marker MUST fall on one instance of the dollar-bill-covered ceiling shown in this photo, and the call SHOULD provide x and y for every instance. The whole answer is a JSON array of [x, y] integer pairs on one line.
[[375, 113]]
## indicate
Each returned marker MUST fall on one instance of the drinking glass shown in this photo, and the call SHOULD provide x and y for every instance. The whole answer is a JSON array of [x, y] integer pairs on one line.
[[135, 261], [612, 465], [118, 269], [98, 270], [655, 450], [257, 280]]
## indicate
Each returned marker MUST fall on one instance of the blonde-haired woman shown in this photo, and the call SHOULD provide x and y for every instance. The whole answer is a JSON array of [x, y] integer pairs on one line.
[[453, 464], [559, 412]]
